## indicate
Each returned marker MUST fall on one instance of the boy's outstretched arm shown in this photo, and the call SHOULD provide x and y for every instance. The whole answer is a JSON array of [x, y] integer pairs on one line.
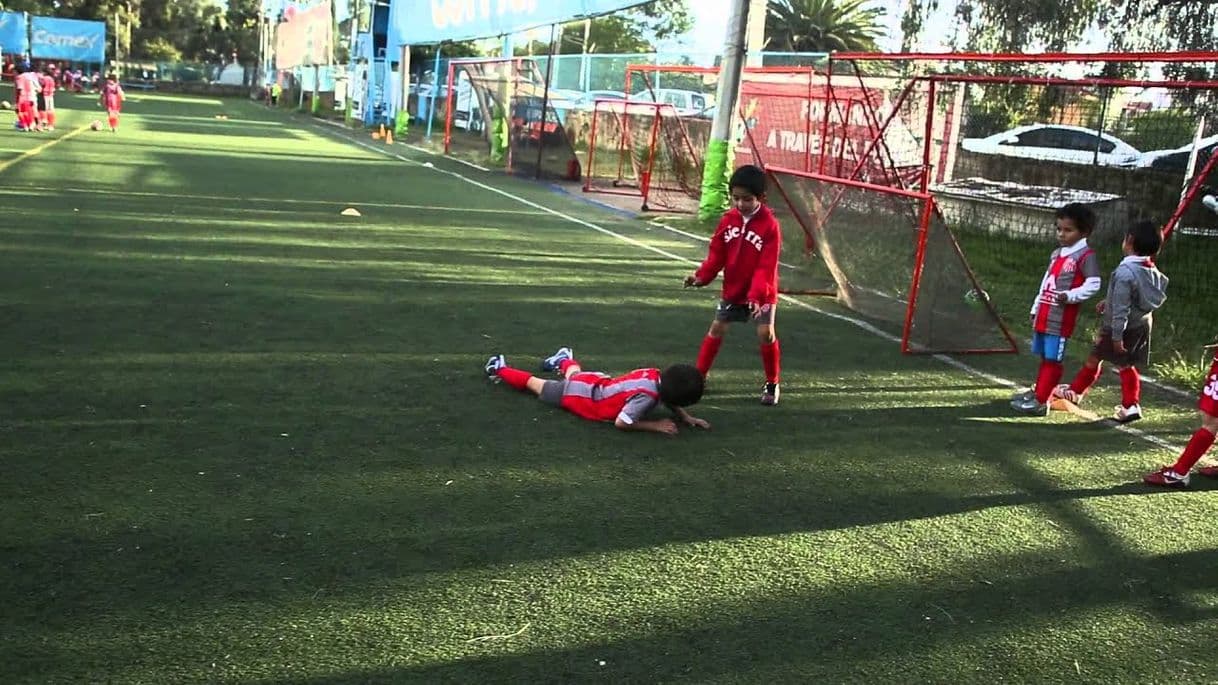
[[689, 419], [665, 426]]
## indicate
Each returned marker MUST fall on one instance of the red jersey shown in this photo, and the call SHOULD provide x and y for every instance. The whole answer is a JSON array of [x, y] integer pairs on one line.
[[27, 85], [746, 250], [48, 85], [1069, 268], [1209, 390], [112, 96], [598, 397]]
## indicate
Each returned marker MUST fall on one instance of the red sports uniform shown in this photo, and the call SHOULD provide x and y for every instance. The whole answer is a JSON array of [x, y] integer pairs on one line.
[[747, 253], [598, 397], [1209, 390]]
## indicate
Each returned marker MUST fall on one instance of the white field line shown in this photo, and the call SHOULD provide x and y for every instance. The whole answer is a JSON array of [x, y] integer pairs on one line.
[[26, 190], [950, 361]]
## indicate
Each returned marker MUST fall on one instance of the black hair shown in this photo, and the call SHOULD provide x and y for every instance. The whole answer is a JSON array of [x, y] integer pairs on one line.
[[1080, 214], [1146, 238], [750, 178], [681, 385]]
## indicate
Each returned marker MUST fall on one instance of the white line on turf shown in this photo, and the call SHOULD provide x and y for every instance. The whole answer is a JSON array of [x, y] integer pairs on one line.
[[24, 190], [950, 361]]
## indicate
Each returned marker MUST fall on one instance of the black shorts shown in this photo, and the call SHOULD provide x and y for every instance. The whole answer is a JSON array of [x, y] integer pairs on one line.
[[1137, 347], [728, 312], [42, 102]]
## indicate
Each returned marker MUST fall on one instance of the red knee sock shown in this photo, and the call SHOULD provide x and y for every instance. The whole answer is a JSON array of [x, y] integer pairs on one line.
[[566, 364], [1087, 376], [113, 121], [1201, 441], [708, 351], [1047, 378], [515, 377], [771, 360], [51, 118], [1131, 386]]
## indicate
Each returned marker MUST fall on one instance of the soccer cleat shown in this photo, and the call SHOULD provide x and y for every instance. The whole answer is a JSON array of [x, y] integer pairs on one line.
[[554, 361], [1127, 414], [1031, 407], [770, 394], [1023, 396], [1063, 392], [1208, 471], [1167, 478], [493, 365]]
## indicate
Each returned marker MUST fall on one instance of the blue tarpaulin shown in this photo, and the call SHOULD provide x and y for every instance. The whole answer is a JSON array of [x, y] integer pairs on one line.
[[14, 34], [419, 22], [68, 39]]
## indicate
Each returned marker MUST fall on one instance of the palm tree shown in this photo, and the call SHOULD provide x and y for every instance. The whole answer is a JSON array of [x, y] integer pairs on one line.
[[822, 25]]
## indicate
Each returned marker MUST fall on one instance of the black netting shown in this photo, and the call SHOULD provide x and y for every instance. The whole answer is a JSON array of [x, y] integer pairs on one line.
[[867, 239], [509, 98]]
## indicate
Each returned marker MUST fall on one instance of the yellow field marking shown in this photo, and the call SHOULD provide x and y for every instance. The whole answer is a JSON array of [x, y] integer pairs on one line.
[[38, 150]]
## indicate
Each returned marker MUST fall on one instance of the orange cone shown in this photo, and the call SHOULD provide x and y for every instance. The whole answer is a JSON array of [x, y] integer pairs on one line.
[[389, 137], [382, 131]]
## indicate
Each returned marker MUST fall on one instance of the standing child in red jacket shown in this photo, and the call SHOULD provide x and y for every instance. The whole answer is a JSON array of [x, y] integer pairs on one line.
[[745, 248]]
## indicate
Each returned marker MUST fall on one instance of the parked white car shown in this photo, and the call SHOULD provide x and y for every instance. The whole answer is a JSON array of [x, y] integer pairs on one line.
[[686, 102], [586, 101], [1055, 142], [1176, 159]]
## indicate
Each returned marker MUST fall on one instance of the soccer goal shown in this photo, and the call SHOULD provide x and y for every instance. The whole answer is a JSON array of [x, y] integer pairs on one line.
[[643, 149], [998, 143], [503, 105]]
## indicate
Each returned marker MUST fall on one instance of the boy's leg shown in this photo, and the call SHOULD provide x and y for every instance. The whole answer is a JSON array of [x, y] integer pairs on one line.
[[569, 367], [1086, 377], [771, 354], [496, 367], [1177, 474], [1050, 372], [710, 346]]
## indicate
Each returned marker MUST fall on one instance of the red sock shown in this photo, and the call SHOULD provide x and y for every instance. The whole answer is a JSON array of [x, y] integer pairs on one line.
[[51, 118], [113, 121], [1197, 447], [771, 360], [566, 364], [515, 377], [1087, 376], [708, 351], [1131, 386], [1047, 378]]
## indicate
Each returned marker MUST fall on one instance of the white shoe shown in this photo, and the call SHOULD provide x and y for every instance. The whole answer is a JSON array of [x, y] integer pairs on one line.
[[1127, 414], [1063, 392], [554, 361], [493, 365]]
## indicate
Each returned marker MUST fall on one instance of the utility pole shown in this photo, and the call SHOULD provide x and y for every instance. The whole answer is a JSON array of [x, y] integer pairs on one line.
[[719, 148]]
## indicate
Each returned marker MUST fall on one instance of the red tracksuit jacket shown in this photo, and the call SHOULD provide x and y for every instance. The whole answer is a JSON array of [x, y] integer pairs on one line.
[[747, 253]]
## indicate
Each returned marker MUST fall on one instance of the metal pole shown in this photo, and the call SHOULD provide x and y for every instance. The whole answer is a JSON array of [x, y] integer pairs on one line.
[[435, 90], [714, 191], [545, 102], [1099, 126]]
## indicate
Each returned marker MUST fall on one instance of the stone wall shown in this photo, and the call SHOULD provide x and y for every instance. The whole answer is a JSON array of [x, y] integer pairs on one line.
[[1148, 194]]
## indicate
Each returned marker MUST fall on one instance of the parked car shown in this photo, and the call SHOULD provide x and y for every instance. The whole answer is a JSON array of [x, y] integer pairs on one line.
[[1055, 142], [1176, 159], [686, 102], [587, 101]]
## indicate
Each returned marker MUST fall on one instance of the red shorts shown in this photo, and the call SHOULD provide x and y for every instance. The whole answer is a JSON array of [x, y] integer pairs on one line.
[[25, 106], [1209, 391]]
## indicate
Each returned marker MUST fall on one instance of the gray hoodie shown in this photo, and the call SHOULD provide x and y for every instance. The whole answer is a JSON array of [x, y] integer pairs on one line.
[[1137, 289]]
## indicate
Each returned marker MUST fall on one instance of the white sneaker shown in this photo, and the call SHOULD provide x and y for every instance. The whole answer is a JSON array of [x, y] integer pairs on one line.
[[554, 361], [1127, 414], [493, 365], [1063, 392]]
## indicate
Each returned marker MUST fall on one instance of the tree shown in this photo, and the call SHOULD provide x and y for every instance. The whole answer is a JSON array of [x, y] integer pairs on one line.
[[1052, 25], [823, 25]]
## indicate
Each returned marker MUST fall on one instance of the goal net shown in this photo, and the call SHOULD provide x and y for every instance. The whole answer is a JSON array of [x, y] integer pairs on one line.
[[504, 104]]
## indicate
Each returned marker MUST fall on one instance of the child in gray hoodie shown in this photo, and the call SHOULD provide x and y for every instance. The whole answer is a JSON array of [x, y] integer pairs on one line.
[[1137, 288]]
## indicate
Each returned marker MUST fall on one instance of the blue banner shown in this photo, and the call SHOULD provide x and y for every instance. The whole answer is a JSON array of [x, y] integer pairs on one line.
[[417, 22], [68, 39], [14, 38]]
